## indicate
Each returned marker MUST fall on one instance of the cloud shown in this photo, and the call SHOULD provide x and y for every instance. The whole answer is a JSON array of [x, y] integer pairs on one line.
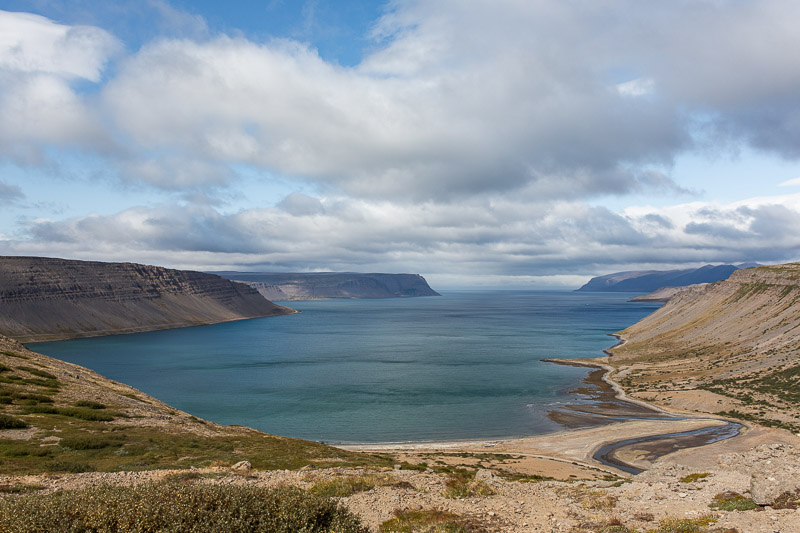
[[10, 193], [33, 44], [39, 108], [790, 183], [455, 100], [507, 238]]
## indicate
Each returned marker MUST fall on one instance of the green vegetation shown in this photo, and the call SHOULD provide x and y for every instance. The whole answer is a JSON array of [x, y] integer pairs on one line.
[[176, 507], [9, 422], [613, 525], [691, 478], [37, 372], [463, 485], [20, 488], [685, 525], [428, 521], [345, 486], [89, 404], [74, 412], [88, 445], [732, 501], [12, 354]]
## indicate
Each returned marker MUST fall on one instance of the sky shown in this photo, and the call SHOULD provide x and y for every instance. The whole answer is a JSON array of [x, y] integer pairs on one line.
[[482, 144]]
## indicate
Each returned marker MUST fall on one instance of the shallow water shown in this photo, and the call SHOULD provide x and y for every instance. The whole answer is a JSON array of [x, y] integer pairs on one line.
[[465, 365]]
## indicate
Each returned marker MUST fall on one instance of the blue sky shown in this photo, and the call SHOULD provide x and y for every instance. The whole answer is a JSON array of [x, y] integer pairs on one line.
[[508, 143]]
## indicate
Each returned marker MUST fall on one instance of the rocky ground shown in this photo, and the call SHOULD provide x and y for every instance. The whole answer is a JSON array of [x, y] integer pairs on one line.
[[669, 495]]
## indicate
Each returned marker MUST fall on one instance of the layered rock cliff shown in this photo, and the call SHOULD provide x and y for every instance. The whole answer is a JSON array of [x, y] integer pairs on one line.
[[737, 339], [47, 299], [321, 285]]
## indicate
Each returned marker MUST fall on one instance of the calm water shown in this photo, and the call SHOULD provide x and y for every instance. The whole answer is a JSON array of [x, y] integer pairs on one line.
[[465, 365]]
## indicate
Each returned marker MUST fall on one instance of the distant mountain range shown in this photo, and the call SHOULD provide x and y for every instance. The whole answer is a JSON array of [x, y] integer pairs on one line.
[[650, 280], [323, 285]]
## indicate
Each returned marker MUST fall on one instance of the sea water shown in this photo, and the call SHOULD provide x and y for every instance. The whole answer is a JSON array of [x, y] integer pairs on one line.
[[466, 365]]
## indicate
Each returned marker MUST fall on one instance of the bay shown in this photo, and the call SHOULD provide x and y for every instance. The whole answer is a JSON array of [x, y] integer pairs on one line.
[[466, 365]]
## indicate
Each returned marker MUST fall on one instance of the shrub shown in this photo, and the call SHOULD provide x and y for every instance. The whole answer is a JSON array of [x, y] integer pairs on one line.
[[9, 422], [788, 500], [89, 442], [429, 520], [685, 525], [12, 354], [82, 413], [37, 372], [732, 501], [68, 466], [461, 485], [90, 404], [171, 507], [691, 478]]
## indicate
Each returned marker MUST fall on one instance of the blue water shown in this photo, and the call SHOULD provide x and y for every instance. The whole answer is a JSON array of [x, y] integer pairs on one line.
[[465, 365]]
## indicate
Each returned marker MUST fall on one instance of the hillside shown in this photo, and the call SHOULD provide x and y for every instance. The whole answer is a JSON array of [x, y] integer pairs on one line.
[[663, 294], [650, 280], [80, 451], [322, 285], [734, 345], [60, 417], [47, 299]]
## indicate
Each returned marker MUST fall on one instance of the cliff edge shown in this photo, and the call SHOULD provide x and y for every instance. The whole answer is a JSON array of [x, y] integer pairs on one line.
[[323, 285], [48, 299]]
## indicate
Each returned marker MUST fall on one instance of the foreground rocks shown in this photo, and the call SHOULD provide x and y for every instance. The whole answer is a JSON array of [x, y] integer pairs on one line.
[[668, 492]]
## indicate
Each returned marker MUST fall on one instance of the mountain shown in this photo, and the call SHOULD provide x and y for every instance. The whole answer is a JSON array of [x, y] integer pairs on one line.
[[731, 345], [47, 299], [320, 285], [650, 280]]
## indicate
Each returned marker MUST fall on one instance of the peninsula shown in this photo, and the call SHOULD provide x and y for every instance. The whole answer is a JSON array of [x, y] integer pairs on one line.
[[282, 286], [45, 299]]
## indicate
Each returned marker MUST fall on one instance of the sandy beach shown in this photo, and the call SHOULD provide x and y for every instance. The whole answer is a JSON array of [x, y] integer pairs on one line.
[[609, 418]]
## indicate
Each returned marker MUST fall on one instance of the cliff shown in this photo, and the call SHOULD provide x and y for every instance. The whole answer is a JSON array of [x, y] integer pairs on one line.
[[651, 280], [48, 299], [734, 343], [321, 285]]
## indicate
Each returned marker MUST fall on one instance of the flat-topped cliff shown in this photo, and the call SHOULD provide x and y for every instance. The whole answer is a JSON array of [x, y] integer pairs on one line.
[[46, 298], [737, 339], [322, 285]]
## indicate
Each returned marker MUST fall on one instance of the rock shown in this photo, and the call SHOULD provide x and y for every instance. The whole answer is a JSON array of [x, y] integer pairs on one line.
[[242, 467], [485, 475], [765, 487]]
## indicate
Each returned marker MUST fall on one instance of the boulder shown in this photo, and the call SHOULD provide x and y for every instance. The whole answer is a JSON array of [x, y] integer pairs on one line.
[[242, 467]]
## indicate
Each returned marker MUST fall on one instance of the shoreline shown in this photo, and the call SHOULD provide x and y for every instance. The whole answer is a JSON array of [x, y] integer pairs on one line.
[[596, 445]]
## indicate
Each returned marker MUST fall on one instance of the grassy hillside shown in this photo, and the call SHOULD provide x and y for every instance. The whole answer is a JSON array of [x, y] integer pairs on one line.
[[59, 417], [734, 342]]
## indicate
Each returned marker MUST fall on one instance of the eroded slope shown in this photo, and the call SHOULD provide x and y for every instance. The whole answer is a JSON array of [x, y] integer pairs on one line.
[[734, 344], [46, 298]]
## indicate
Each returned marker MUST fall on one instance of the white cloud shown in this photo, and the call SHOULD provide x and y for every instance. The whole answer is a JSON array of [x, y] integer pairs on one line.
[[790, 183], [39, 109], [637, 87], [33, 44], [495, 241]]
